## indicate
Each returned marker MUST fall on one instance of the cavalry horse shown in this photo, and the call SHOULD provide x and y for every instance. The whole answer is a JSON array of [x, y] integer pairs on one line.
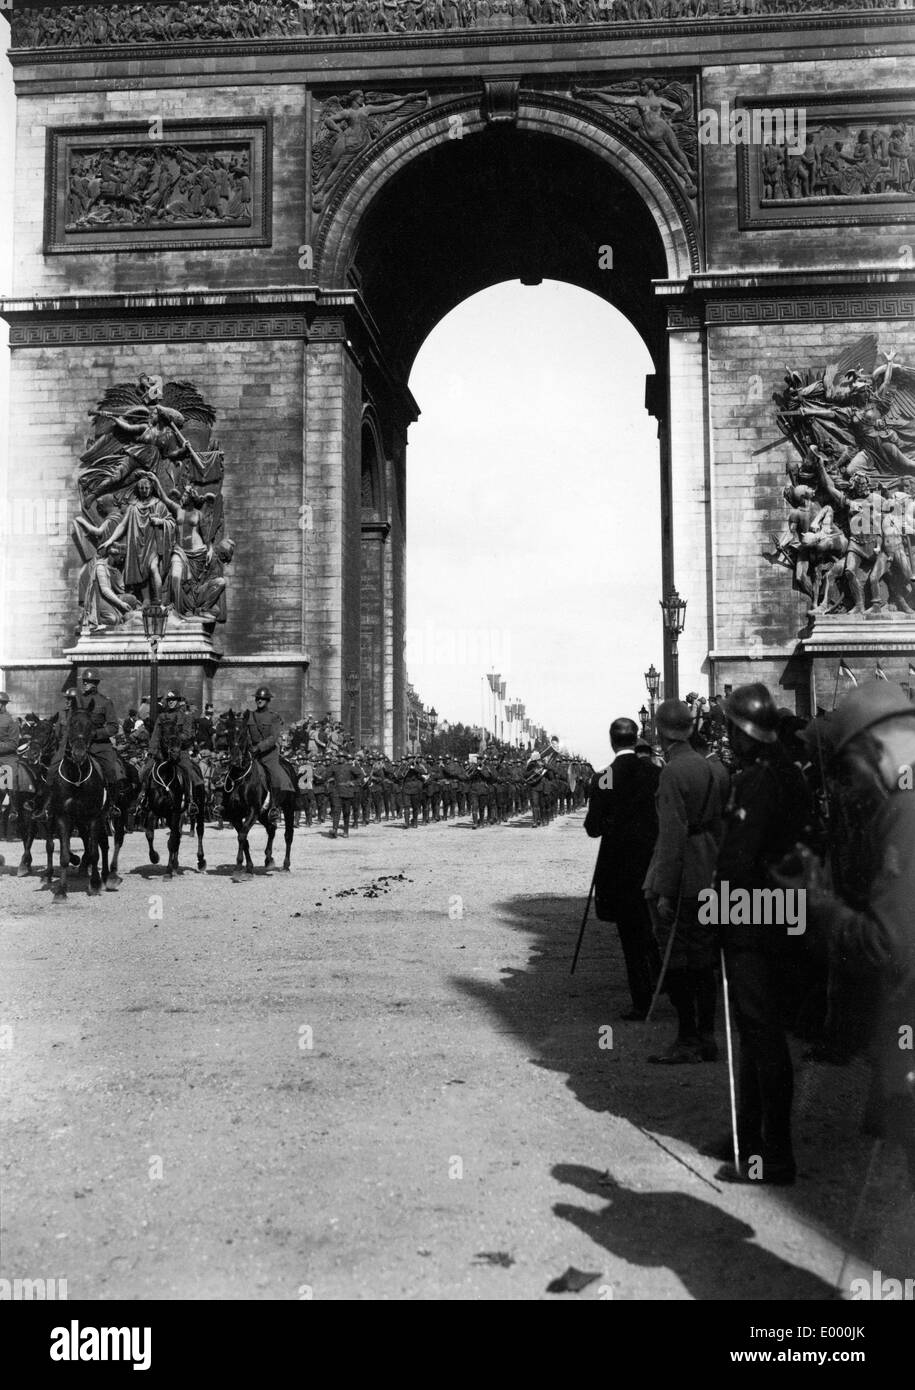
[[33, 756], [78, 801], [170, 798], [247, 796]]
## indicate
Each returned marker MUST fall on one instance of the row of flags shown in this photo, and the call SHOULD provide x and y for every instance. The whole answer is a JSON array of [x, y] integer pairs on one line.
[[879, 674], [515, 712]]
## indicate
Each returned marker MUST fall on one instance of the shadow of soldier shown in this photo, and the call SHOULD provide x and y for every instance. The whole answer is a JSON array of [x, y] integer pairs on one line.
[[711, 1252]]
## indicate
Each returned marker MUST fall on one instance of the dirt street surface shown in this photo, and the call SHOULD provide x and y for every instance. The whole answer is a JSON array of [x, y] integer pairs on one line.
[[306, 1085]]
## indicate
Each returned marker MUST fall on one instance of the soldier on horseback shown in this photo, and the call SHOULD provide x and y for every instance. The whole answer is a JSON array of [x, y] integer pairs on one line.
[[105, 726], [265, 728], [173, 726]]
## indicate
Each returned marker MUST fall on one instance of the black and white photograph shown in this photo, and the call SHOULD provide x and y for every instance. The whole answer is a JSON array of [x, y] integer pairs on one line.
[[488, 418]]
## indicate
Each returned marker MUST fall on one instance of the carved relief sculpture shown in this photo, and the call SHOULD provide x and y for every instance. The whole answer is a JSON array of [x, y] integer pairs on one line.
[[851, 484], [147, 530], [662, 114], [158, 186], [85, 26], [346, 126]]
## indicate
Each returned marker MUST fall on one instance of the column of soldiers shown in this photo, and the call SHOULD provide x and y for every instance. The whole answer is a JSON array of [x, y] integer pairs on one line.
[[787, 866], [366, 787], [334, 783]]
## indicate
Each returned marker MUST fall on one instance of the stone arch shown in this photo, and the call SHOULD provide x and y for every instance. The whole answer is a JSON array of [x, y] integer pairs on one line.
[[668, 206], [373, 499]]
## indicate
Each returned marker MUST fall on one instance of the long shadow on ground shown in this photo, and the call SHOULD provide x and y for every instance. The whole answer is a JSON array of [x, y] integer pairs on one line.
[[564, 1022]]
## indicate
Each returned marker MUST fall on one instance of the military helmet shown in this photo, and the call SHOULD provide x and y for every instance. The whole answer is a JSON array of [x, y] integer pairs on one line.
[[263, 693], [173, 695], [674, 720], [868, 705], [71, 693], [91, 678], [752, 709]]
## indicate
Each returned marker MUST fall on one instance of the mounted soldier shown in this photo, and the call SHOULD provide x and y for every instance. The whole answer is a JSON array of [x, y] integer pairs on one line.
[[265, 728], [105, 725], [174, 725], [9, 761]]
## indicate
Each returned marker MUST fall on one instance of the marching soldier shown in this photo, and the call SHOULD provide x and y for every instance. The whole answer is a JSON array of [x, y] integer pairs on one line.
[[265, 728], [345, 781]]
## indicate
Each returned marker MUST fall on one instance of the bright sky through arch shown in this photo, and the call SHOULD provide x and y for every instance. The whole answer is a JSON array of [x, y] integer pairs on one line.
[[533, 511]]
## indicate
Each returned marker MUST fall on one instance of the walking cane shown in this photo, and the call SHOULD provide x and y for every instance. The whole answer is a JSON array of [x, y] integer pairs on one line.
[[584, 922], [733, 1087], [666, 961]]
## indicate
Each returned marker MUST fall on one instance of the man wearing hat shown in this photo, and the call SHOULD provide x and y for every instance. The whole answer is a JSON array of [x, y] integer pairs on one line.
[[692, 793], [265, 728], [768, 813], [534, 773], [105, 726], [622, 811], [173, 725], [865, 924]]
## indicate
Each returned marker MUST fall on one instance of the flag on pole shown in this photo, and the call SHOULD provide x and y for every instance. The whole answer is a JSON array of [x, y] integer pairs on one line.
[[880, 674], [502, 685], [847, 673], [493, 679]]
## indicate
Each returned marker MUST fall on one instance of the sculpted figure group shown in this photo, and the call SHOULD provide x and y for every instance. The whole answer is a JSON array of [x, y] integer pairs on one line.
[[851, 484], [83, 26], [148, 532], [170, 185], [878, 159]]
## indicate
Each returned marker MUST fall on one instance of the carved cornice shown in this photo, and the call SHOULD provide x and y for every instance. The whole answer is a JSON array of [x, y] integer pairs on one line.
[[65, 332], [802, 308], [719, 17]]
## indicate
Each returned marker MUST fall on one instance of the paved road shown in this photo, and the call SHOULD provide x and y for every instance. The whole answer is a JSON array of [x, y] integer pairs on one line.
[[308, 1084]]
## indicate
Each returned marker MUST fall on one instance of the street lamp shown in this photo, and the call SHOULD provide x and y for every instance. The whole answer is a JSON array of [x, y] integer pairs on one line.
[[155, 621], [352, 690], [433, 720], [674, 610], [653, 686], [644, 717]]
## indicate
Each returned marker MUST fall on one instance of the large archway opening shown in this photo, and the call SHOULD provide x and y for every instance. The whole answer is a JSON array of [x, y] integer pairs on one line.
[[535, 532], [428, 223]]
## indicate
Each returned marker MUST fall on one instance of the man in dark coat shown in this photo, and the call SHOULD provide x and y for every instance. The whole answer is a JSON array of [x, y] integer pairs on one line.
[[767, 814], [692, 794], [621, 810]]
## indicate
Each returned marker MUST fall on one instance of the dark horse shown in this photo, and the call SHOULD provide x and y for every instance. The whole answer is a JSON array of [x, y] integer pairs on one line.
[[34, 756], [247, 797], [169, 797], [78, 801]]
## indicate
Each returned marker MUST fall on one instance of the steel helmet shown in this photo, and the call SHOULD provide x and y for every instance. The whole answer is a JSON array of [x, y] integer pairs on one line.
[[868, 705], [263, 693], [172, 695], [91, 678], [674, 720], [752, 709]]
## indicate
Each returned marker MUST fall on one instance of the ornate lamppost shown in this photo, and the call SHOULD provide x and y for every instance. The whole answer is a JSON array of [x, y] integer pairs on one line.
[[674, 610], [653, 686], [433, 720], [155, 621], [352, 690], [644, 717]]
